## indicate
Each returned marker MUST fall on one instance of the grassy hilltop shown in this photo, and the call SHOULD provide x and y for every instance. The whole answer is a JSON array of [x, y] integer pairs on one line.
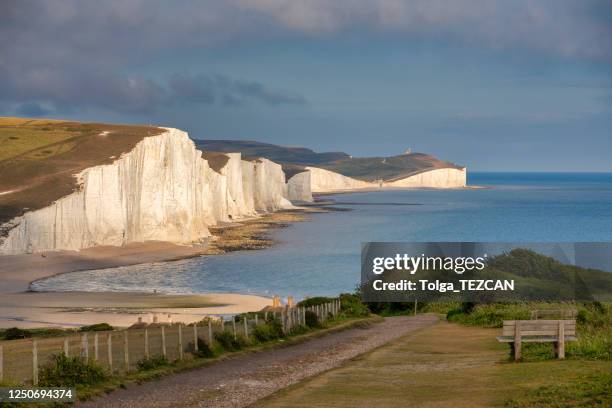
[[294, 159], [40, 157]]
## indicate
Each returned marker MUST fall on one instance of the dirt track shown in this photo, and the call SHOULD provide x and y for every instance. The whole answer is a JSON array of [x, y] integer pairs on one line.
[[241, 381]]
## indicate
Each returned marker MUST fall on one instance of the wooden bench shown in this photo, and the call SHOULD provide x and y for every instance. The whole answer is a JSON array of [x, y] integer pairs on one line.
[[558, 332]]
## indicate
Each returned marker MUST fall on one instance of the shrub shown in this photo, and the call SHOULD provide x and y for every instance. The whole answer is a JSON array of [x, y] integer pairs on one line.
[[271, 330], [352, 306], [204, 350], [97, 327], [152, 363], [312, 320], [15, 333], [314, 301], [228, 342], [63, 371]]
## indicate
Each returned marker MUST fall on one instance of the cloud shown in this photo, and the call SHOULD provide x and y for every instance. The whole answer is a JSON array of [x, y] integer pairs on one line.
[[570, 28], [42, 92], [76, 54], [32, 109]]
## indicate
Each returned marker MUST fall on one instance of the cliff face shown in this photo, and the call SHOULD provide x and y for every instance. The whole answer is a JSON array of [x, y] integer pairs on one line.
[[324, 180], [438, 178], [329, 181], [161, 190], [299, 187]]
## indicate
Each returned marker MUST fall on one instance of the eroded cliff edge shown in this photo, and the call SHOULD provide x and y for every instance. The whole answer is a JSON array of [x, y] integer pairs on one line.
[[163, 189]]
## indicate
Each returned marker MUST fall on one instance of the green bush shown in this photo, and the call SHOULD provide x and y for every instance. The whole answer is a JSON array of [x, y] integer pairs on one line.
[[315, 301], [204, 350], [352, 306], [97, 327], [152, 363], [15, 333], [63, 371], [228, 342], [271, 330], [490, 314], [312, 320]]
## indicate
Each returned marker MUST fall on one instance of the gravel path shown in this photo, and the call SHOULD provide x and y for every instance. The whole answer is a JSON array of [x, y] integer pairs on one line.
[[241, 381]]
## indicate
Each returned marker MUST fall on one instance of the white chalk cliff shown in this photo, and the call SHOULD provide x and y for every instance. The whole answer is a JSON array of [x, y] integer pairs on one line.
[[435, 178], [161, 190], [328, 181]]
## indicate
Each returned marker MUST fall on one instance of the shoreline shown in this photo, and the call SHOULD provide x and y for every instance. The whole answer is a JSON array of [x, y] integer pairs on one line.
[[74, 309], [82, 308]]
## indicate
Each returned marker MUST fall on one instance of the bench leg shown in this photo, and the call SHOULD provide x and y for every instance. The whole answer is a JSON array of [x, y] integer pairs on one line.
[[517, 351]]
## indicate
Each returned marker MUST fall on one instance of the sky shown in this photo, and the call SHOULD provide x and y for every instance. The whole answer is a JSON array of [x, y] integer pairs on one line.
[[494, 85]]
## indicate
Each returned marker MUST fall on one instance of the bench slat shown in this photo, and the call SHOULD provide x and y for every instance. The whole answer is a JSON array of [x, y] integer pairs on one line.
[[537, 339], [530, 331]]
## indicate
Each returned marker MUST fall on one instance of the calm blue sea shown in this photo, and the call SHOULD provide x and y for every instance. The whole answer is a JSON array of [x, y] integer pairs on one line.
[[321, 257]]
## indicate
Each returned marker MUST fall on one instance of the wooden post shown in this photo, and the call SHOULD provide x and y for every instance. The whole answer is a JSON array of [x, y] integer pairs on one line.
[[246, 327], [195, 337], [96, 344], [163, 334], [146, 343], [85, 346], [110, 352], [34, 362], [561, 341], [266, 316], [517, 340], [180, 341], [222, 324], [415, 306], [66, 347], [126, 351], [234, 325], [256, 322], [210, 335], [1, 364]]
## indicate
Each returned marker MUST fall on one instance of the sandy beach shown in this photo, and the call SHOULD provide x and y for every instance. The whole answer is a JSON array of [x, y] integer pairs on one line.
[[22, 308]]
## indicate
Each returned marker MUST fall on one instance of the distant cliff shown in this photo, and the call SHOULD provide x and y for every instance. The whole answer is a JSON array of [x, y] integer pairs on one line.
[[337, 171]]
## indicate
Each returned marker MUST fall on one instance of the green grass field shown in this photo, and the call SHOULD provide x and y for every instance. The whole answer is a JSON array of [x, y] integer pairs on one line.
[[456, 366], [39, 158]]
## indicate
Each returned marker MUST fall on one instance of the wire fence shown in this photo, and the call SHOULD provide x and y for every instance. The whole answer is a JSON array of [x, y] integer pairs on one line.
[[119, 351]]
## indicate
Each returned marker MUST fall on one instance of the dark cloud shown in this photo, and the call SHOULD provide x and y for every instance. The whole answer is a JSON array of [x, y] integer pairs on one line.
[[32, 109], [65, 92], [208, 89]]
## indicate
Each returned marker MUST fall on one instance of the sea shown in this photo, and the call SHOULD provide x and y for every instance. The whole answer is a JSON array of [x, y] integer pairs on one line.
[[321, 257]]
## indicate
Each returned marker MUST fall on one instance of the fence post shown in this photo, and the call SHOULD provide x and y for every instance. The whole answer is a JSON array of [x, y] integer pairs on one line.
[[96, 344], [266, 316], [85, 346], [222, 324], [146, 341], [34, 362], [110, 352], [256, 322], [234, 325], [1, 364], [180, 341], [210, 336], [163, 333], [126, 351], [415, 306], [195, 337], [66, 347], [246, 327]]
